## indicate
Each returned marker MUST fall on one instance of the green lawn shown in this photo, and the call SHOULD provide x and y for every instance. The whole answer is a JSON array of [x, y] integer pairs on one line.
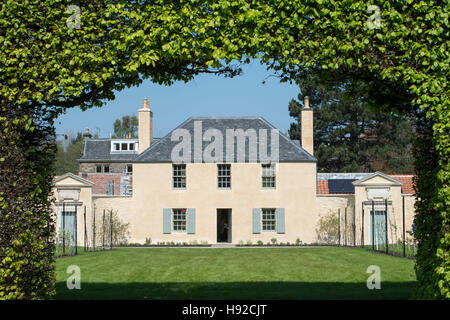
[[236, 273]]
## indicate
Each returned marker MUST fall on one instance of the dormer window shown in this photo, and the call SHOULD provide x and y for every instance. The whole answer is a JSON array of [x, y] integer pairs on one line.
[[118, 146]]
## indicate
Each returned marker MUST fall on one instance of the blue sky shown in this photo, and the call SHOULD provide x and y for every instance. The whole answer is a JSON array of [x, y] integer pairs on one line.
[[206, 95]]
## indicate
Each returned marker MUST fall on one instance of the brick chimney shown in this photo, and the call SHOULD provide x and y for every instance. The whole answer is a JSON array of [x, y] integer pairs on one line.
[[145, 126], [307, 127]]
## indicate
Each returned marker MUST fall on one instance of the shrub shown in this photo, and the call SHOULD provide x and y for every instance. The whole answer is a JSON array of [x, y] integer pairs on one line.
[[328, 230]]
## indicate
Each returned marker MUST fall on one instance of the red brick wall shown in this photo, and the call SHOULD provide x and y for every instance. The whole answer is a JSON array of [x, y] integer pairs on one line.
[[101, 180]]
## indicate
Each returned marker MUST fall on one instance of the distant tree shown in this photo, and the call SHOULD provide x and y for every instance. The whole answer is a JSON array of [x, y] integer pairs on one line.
[[350, 135], [67, 154], [127, 127]]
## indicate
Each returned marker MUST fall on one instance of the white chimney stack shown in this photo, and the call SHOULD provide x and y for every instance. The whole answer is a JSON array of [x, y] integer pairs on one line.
[[307, 127], [145, 126]]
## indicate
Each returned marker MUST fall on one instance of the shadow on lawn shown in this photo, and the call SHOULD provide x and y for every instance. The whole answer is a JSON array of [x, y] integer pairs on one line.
[[236, 290]]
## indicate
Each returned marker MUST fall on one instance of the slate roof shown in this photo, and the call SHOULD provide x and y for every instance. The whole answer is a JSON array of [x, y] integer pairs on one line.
[[100, 150], [289, 151]]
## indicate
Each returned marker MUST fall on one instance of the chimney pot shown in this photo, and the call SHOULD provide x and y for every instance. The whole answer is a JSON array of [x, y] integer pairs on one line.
[[306, 102], [87, 134], [145, 104]]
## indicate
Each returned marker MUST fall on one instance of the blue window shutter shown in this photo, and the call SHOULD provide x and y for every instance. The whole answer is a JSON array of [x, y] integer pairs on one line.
[[167, 214], [191, 220], [256, 220], [280, 220], [62, 219]]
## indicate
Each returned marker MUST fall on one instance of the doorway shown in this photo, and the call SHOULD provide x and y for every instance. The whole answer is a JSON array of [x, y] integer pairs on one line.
[[378, 228], [224, 225]]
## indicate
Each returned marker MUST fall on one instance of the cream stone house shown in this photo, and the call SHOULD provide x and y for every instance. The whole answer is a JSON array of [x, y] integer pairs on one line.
[[204, 181]]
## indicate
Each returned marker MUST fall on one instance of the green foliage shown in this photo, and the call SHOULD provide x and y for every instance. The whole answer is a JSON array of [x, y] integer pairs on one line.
[[26, 219], [120, 229], [67, 155], [48, 67], [432, 266], [127, 127], [349, 134]]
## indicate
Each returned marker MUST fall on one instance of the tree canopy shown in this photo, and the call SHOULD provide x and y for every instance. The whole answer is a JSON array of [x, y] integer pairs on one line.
[[67, 154], [350, 134], [127, 127]]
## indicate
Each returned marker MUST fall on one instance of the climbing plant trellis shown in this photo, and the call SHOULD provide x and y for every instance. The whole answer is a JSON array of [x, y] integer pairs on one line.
[[97, 231], [376, 225]]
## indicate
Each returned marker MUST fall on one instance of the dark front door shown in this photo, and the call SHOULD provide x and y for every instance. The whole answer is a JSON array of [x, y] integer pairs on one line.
[[223, 225]]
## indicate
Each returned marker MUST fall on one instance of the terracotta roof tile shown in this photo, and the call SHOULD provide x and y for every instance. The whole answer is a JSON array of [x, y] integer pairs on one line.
[[322, 187], [408, 184]]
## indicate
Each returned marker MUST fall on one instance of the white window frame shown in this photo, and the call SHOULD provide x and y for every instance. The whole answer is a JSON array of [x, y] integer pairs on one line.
[[274, 220], [127, 142], [269, 174], [181, 176], [220, 176]]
